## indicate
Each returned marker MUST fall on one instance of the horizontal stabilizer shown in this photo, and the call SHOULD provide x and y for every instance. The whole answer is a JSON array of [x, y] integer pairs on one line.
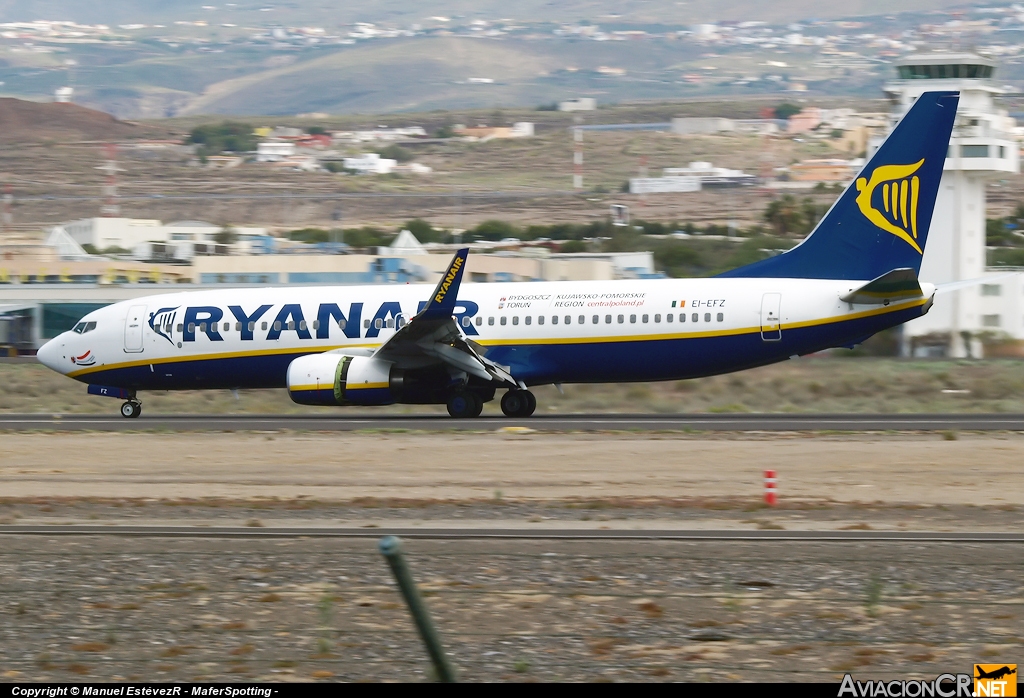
[[967, 283], [896, 285]]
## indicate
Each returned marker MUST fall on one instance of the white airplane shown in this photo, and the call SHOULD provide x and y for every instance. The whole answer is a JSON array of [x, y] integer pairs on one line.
[[458, 344]]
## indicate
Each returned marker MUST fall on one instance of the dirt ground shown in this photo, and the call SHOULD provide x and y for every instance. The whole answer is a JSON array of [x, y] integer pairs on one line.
[[918, 469], [108, 608], [264, 610]]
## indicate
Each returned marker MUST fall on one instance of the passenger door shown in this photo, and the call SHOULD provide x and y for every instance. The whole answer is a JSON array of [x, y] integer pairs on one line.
[[133, 329], [771, 319]]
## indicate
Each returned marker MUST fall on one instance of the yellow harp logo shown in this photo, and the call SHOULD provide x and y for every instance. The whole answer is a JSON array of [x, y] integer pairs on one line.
[[899, 192]]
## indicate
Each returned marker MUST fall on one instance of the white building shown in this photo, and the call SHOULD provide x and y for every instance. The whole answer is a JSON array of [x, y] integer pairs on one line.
[[129, 233], [692, 125], [369, 163], [581, 104], [981, 148], [663, 185], [709, 175], [274, 151]]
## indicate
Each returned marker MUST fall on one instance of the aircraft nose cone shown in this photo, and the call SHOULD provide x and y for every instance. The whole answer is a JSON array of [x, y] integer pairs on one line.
[[51, 355]]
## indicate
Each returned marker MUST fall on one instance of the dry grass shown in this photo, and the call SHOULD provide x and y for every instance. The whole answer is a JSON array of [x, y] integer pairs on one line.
[[854, 385]]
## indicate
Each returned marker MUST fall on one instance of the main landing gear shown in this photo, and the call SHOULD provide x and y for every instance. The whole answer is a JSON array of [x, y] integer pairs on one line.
[[465, 404], [515, 403], [131, 409], [518, 403]]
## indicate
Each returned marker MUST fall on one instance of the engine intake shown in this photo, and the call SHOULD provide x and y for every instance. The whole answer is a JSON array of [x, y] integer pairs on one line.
[[336, 379]]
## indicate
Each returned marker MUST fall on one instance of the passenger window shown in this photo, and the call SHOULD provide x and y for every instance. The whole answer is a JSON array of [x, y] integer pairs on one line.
[[632, 318], [657, 318], [721, 317], [264, 325], [180, 327], [597, 319], [302, 325], [528, 319], [316, 324], [238, 327], [202, 327], [504, 319], [554, 319], [291, 324], [540, 319], [252, 326], [622, 319], [366, 324], [391, 322], [490, 321], [191, 327], [515, 319], [695, 317], [582, 319], [227, 326], [277, 326], [479, 320], [668, 318], [607, 319], [568, 320], [378, 323], [707, 317], [341, 324], [645, 318]]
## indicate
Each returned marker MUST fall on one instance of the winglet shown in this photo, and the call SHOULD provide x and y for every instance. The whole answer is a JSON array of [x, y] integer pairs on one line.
[[442, 301]]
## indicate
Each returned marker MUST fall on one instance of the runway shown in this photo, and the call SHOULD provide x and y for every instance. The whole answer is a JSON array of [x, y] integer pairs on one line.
[[556, 423], [516, 534]]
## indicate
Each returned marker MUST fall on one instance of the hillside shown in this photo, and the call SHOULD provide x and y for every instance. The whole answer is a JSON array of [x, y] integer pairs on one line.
[[303, 12], [33, 122]]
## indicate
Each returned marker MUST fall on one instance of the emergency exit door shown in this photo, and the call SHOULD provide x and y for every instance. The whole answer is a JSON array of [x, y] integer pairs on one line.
[[133, 329], [771, 319]]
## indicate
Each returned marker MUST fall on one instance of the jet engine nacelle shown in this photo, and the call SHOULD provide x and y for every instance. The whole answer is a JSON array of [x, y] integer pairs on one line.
[[336, 379]]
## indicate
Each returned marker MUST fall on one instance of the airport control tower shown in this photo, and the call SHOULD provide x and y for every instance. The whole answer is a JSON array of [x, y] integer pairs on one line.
[[982, 148]]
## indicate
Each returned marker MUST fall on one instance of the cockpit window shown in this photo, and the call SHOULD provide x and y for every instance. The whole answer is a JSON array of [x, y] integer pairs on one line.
[[83, 327]]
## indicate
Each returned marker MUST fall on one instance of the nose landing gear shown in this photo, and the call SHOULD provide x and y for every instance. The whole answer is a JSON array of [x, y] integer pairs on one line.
[[518, 403], [131, 409]]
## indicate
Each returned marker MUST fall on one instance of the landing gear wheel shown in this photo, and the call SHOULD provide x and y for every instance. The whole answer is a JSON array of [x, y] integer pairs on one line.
[[531, 403], [131, 410], [462, 405], [518, 403]]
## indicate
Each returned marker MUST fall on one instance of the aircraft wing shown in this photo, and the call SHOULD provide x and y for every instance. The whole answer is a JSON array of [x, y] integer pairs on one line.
[[434, 336]]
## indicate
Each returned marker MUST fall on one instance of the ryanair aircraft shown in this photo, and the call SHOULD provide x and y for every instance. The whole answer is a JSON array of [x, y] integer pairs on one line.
[[854, 275]]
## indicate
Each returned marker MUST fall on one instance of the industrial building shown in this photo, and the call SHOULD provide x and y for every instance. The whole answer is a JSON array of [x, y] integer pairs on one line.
[[46, 286]]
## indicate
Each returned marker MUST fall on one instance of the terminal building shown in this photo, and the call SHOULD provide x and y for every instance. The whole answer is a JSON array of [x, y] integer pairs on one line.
[[981, 149]]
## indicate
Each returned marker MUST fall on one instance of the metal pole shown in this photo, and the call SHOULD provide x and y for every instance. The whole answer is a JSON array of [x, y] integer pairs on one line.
[[391, 549]]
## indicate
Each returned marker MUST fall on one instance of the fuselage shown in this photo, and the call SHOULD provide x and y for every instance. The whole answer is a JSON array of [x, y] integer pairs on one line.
[[544, 332]]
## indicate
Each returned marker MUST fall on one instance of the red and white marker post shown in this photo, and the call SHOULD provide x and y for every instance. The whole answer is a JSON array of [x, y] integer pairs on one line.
[[770, 496]]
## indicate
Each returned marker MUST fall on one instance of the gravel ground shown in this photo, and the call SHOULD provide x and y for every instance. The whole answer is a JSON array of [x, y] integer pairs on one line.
[[114, 609]]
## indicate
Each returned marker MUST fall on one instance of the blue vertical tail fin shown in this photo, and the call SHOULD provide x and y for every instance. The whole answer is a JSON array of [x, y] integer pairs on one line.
[[881, 221]]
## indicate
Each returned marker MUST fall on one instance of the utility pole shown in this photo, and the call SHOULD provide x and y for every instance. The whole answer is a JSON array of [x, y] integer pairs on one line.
[[110, 208], [8, 215], [577, 157]]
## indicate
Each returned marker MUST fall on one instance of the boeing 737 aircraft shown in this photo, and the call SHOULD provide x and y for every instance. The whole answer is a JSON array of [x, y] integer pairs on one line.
[[458, 344]]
